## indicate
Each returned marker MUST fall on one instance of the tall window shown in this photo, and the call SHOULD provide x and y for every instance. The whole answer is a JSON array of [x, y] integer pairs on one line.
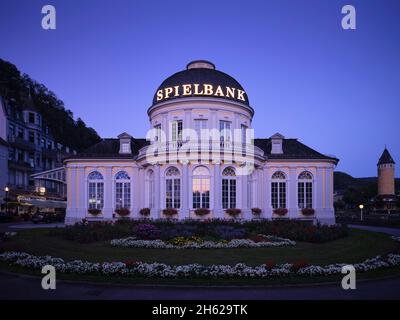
[[225, 131], [228, 188], [95, 190], [150, 188], [278, 190], [200, 124], [201, 188], [172, 188], [176, 130], [122, 190], [304, 190], [157, 137]]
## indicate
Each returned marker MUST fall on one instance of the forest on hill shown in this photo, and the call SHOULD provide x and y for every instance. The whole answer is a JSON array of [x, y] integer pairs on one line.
[[17, 88]]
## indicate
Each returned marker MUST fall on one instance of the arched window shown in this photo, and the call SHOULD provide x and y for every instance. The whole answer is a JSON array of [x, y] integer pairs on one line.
[[278, 190], [95, 190], [228, 188], [305, 190], [172, 188], [122, 190], [201, 188], [150, 188]]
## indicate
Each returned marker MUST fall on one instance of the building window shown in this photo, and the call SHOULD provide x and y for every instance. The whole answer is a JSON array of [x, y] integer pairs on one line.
[[201, 188], [11, 129], [199, 125], [304, 190], [172, 188], [95, 190], [278, 190], [150, 189], [225, 131], [122, 190], [157, 136], [31, 117], [49, 145], [176, 130], [31, 137], [228, 188], [126, 148], [20, 133], [243, 133]]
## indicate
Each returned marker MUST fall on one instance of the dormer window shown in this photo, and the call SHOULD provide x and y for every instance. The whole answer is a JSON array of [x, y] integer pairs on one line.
[[125, 143], [277, 143]]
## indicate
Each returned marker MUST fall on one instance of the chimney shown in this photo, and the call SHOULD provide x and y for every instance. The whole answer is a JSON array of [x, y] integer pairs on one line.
[[125, 141], [276, 143]]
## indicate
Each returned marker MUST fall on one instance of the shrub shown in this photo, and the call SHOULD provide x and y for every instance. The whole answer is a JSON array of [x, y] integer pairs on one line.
[[94, 212], [202, 211], [227, 232], [307, 211], [256, 211], [270, 264], [123, 212], [233, 212], [170, 212], [281, 211], [144, 212], [146, 231]]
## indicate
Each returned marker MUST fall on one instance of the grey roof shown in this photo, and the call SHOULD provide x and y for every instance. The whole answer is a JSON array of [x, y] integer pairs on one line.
[[386, 158], [292, 149], [109, 148]]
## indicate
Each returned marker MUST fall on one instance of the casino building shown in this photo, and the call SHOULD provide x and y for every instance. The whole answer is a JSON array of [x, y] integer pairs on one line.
[[200, 160]]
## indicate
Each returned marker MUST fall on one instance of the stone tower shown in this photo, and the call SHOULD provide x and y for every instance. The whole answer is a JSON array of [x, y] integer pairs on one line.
[[386, 174]]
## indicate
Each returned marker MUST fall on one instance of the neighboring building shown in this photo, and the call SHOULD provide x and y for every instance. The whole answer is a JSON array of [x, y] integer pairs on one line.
[[386, 200], [165, 172], [27, 147]]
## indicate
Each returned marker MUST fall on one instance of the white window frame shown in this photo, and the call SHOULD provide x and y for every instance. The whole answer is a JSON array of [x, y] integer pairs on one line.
[[123, 179], [202, 180]]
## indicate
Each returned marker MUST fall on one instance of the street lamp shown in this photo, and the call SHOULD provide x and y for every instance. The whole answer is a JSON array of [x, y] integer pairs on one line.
[[7, 190], [361, 206]]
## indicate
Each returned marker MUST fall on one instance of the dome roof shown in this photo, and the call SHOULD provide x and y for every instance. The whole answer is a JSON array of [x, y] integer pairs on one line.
[[196, 80]]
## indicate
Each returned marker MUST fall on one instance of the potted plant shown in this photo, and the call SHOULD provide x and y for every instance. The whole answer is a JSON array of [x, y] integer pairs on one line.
[[123, 212], [202, 211], [94, 212], [307, 211], [256, 211], [233, 212], [144, 212], [281, 211], [169, 212]]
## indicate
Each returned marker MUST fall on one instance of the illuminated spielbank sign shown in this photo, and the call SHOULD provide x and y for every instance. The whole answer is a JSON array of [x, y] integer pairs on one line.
[[200, 90]]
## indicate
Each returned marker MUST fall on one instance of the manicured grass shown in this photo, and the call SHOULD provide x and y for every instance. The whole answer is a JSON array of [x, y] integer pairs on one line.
[[358, 246]]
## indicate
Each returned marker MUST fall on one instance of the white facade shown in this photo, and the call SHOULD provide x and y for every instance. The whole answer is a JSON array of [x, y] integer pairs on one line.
[[129, 176]]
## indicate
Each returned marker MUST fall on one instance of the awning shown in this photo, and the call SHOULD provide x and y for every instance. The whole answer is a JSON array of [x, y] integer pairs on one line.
[[45, 203]]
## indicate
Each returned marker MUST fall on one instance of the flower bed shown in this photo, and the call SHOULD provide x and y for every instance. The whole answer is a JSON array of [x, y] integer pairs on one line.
[[197, 243], [170, 212], [94, 212], [280, 212], [233, 212], [123, 212], [307, 211], [215, 229], [145, 212], [161, 270], [201, 212]]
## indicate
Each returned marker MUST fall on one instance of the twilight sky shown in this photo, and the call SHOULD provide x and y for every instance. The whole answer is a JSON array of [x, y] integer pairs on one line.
[[336, 90]]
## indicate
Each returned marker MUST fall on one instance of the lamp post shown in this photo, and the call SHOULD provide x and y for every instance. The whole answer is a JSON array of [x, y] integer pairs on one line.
[[361, 206], [7, 190]]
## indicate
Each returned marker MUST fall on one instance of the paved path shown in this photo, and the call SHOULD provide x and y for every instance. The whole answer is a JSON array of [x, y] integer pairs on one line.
[[14, 287], [15, 226], [391, 231]]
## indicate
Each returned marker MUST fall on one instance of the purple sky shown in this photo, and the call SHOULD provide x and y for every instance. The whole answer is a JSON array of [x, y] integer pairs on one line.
[[337, 91]]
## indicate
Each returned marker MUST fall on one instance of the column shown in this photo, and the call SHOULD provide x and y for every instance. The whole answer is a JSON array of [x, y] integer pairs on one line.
[[218, 212], [184, 210], [108, 194], [157, 194], [291, 197], [81, 193], [246, 211], [136, 190]]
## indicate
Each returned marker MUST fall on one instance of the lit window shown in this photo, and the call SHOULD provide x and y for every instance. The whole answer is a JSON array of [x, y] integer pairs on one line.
[[201, 188], [95, 190], [122, 190], [172, 188], [125, 148], [278, 190], [228, 188], [304, 190]]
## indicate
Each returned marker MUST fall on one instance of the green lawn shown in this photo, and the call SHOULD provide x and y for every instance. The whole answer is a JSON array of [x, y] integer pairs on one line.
[[358, 246]]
